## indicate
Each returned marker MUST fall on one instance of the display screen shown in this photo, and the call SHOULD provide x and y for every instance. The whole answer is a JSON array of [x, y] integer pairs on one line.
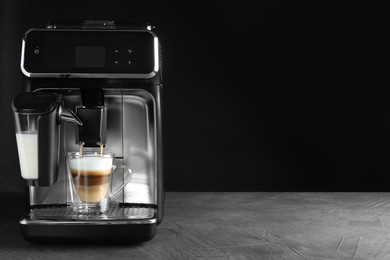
[[89, 52], [90, 57]]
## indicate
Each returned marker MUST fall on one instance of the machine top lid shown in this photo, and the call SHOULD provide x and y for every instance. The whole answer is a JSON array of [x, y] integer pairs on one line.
[[98, 25], [35, 103]]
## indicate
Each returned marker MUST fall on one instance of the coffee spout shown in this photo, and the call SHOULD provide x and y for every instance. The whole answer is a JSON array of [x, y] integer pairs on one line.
[[93, 114], [67, 115]]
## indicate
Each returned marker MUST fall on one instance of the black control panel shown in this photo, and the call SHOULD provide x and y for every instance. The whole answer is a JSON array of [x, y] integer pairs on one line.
[[89, 52]]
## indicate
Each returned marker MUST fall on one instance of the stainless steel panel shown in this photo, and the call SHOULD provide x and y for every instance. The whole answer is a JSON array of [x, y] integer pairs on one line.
[[113, 101], [55, 194], [131, 135], [139, 146]]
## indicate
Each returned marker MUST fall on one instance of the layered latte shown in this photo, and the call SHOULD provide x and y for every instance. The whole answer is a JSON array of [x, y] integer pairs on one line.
[[91, 177]]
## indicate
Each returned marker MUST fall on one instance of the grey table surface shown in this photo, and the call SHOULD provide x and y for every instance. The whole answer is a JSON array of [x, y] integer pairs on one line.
[[207, 225]]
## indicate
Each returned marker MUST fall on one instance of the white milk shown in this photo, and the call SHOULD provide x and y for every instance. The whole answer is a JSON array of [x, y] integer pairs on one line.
[[28, 155]]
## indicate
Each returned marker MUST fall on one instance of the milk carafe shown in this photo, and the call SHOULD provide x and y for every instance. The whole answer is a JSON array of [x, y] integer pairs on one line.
[[37, 124]]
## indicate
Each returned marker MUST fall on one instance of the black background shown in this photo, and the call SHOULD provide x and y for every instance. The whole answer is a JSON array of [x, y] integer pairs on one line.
[[258, 95]]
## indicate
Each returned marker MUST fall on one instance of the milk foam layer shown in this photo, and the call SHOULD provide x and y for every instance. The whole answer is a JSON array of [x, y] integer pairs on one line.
[[91, 164]]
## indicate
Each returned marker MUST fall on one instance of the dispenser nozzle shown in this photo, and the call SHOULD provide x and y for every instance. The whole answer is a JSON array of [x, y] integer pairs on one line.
[[93, 114], [69, 116], [94, 129]]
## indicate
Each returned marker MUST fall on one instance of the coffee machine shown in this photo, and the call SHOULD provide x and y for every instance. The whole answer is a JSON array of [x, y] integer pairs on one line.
[[95, 84]]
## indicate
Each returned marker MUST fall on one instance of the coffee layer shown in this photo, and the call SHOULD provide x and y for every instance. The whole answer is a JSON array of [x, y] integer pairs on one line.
[[97, 173], [85, 178], [93, 193]]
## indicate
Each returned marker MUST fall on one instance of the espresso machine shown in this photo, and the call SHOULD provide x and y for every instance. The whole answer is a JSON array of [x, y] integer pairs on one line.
[[95, 84]]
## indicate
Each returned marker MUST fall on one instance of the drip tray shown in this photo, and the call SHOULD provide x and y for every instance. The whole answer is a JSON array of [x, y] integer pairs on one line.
[[115, 213], [60, 224]]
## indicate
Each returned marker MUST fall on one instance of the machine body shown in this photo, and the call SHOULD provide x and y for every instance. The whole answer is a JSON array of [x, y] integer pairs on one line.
[[110, 80]]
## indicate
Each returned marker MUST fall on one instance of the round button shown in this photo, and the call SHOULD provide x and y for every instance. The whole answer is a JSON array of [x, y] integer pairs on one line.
[[37, 51]]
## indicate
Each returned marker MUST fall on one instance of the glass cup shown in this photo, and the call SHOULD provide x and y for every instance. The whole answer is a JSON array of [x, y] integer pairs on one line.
[[91, 178]]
